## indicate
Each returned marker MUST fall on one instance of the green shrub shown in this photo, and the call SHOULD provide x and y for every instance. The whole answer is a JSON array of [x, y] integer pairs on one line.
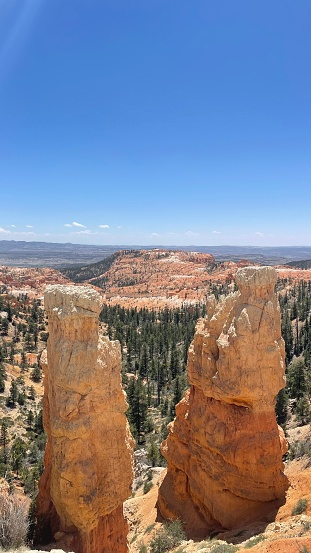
[[170, 535], [147, 486], [300, 507], [149, 528], [224, 548], [253, 541]]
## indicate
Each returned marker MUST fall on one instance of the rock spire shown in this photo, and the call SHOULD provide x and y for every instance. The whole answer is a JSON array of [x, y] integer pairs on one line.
[[224, 449], [89, 454]]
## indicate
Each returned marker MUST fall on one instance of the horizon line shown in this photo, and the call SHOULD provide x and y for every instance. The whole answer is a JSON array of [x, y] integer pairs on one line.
[[157, 246]]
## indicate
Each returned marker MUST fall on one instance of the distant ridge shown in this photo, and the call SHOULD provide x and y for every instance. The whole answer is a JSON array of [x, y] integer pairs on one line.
[[304, 264], [56, 255]]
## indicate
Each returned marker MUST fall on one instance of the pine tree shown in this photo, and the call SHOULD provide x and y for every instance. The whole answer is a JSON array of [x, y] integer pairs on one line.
[[296, 379], [30, 419], [137, 413], [13, 394], [4, 436], [281, 406], [36, 374]]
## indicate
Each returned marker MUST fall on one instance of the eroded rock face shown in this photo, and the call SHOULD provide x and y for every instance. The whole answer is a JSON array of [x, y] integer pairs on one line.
[[89, 454], [224, 449]]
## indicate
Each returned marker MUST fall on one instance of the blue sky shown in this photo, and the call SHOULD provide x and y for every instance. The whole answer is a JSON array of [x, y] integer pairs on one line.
[[156, 121]]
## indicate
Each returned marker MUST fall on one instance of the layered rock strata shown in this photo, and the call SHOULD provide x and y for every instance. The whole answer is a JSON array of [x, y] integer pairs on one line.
[[224, 449], [89, 454]]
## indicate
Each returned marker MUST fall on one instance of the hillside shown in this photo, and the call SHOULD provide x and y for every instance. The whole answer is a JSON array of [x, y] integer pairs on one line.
[[159, 277], [154, 278], [304, 264], [83, 273]]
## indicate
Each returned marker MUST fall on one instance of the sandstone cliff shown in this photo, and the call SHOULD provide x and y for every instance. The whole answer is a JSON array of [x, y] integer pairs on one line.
[[224, 449], [88, 459]]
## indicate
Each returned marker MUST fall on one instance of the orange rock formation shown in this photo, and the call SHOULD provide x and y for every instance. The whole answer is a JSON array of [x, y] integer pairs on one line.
[[30, 281], [88, 459], [224, 449]]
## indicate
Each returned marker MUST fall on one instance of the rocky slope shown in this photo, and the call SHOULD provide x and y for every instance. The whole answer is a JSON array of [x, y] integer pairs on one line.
[[165, 278], [224, 449], [88, 458], [17, 280], [160, 275]]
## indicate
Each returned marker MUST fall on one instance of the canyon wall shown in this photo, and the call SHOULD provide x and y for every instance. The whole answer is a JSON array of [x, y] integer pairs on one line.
[[224, 449], [89, 454]]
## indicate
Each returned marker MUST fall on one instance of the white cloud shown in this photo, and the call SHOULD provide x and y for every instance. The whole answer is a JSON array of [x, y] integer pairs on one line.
[[119, 227], [216, 232], [75, 224], [190, 233], [29, 226], [172, 233], [154, 234], [86, 231], [4, 231], [103, 226], [259, 233], [14, 226]]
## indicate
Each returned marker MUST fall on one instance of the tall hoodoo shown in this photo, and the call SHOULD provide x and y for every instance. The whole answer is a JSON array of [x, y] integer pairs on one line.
[[224, 449], [88, 460]]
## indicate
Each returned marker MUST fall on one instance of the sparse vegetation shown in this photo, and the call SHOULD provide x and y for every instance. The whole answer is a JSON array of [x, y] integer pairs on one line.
[[149, 528], [253, 541], [224, 548], [22, 440], [300, 507], [168, 537], [306, 525], [147, 486], [300, 448]]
